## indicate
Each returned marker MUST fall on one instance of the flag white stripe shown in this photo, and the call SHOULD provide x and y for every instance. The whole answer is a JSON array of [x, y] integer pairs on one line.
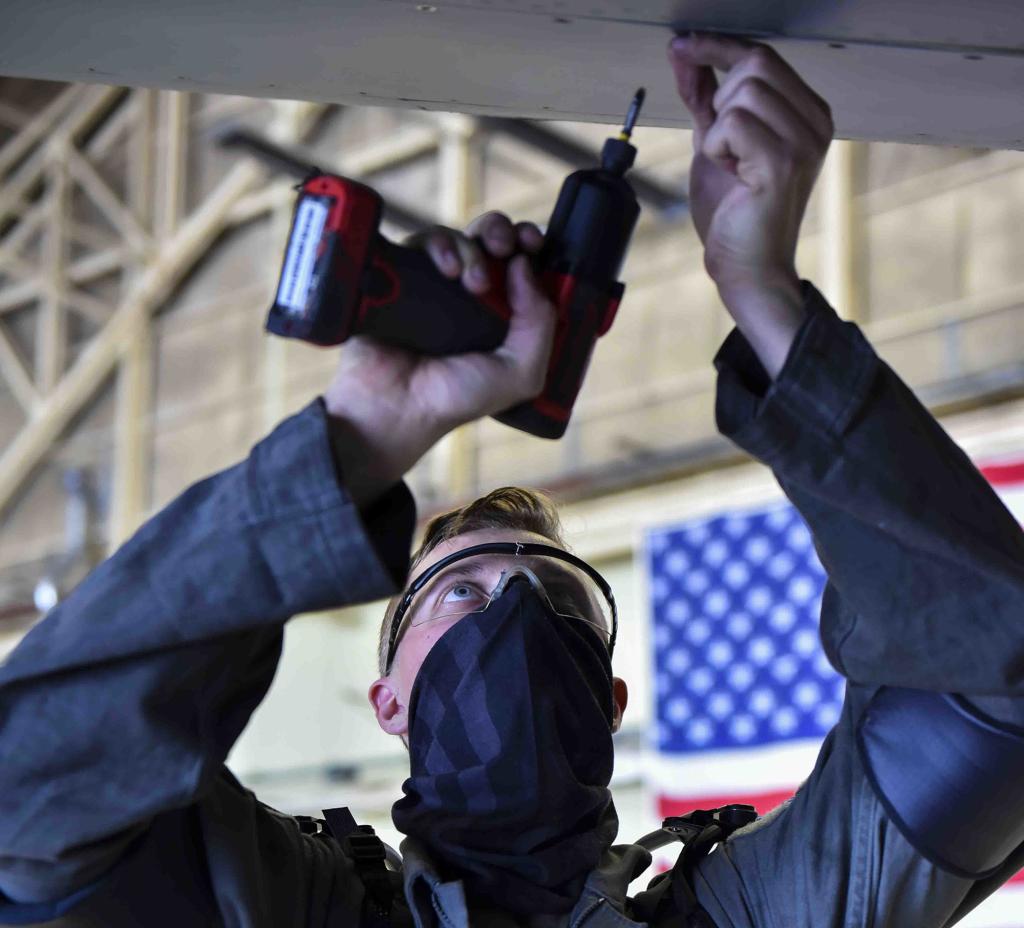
[[761, 769]]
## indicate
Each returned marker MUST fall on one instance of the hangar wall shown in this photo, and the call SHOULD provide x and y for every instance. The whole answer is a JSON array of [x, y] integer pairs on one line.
[[918, 244]]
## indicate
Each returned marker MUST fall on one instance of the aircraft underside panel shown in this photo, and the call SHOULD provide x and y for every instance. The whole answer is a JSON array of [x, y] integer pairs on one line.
[[941, 71]]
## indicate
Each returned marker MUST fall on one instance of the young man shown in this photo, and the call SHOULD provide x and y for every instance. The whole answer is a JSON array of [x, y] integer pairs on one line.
[[117, 711]]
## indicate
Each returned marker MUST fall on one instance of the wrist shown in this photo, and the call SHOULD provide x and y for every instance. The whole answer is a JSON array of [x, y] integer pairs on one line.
[[769, 311], [373, 449], [738, 288]]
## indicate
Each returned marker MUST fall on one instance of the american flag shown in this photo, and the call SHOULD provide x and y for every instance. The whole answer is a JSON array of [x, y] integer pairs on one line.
[[744, 694]]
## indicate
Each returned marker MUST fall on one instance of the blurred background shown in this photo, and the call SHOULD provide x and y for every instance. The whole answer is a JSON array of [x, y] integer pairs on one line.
[[141, 239]]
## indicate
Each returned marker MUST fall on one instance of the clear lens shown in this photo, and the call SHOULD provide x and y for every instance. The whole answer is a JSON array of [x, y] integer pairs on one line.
[[470, 585]]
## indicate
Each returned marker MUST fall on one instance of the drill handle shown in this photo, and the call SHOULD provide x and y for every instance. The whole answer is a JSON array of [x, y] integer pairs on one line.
[[407, 301]]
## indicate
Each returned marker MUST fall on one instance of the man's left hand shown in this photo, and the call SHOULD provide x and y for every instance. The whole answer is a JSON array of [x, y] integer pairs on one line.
[[759, 142]]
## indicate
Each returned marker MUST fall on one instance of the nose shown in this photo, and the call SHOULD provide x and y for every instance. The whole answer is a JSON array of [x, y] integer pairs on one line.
[[518, 574]]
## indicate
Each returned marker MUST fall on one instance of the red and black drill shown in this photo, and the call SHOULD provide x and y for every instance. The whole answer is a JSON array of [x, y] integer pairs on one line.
[[341, 278]]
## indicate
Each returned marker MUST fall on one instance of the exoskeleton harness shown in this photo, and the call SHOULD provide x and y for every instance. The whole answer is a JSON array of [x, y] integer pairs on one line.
[[669, 900]]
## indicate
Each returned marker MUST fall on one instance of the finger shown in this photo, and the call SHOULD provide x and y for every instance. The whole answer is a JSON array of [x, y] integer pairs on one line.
[[764, 64], [743, 144], [474, 264], [531, 239], [527, 346], [695, 83], [496, 231], [439, 243], [712, 50], [774, 110]]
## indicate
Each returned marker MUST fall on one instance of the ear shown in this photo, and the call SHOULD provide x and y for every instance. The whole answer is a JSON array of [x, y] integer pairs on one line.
[[391, 714], [620, 696]]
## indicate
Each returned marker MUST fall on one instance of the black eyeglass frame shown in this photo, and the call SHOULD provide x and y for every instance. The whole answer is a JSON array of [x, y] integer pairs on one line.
[[515, 548]]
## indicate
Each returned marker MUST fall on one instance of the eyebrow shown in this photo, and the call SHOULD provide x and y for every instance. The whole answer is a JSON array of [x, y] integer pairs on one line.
[[469, 568]]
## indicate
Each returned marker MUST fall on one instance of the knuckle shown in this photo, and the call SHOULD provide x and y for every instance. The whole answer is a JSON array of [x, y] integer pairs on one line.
[[752, 91], [762, 58], [439, 237], [757, 86], [712, 263], [492, 222], [734, 118], [475, 225], [786, 164]]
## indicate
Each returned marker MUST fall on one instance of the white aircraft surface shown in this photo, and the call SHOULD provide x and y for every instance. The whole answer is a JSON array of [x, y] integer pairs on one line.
[[931, 71]]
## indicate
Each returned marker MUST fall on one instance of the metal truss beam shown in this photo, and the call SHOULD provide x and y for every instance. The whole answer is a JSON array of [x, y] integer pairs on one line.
[[152, 275]]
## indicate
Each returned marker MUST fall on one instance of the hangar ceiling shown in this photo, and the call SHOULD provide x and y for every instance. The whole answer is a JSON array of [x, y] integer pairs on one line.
[[938, 72]]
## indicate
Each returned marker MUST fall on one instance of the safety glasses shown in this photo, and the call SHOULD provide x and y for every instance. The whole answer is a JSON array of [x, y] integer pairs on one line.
[[468, 581]]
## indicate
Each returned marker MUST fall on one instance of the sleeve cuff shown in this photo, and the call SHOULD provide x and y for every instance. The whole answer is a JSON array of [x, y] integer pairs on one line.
[[295, 475], [822, 385]]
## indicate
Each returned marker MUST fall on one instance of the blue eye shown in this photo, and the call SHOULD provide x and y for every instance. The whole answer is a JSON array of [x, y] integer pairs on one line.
[[461, 593]]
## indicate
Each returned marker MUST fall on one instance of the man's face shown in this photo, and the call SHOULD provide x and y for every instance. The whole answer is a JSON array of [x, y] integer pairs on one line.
[[389, 695]]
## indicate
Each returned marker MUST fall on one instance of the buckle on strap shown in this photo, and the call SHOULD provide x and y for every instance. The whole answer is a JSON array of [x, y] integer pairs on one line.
[[365, 847], [728, 818]]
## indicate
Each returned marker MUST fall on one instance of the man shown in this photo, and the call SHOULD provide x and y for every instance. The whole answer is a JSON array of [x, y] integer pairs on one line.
[[117, 711]]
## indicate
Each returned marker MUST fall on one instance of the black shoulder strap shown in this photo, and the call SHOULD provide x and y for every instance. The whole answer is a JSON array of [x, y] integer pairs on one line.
[[366, 851], [670, 898]]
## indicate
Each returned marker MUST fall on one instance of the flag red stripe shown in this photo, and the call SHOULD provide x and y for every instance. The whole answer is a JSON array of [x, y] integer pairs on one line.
[[763, 802], [1003, 474]]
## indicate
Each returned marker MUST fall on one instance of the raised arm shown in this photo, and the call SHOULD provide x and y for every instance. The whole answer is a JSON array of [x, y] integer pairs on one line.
[[917, 789], [121, 705], [906, 525]]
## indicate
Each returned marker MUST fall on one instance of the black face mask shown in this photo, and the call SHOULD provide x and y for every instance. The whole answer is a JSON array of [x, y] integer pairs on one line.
[[511, 754]]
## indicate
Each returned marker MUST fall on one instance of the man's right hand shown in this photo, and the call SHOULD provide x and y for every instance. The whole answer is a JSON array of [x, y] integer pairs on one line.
[[388, 406]]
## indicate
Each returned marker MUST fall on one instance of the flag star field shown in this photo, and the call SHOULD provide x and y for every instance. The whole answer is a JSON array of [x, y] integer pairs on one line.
[[735, 603]]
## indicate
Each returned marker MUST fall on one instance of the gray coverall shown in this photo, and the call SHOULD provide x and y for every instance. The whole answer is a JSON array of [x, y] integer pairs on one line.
[[118, 709]]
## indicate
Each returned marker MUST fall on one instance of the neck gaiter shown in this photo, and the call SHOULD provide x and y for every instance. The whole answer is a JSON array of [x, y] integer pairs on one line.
[[511, 754]]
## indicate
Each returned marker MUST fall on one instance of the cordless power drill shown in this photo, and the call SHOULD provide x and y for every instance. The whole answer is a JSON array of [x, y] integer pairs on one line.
[[341, 278]]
